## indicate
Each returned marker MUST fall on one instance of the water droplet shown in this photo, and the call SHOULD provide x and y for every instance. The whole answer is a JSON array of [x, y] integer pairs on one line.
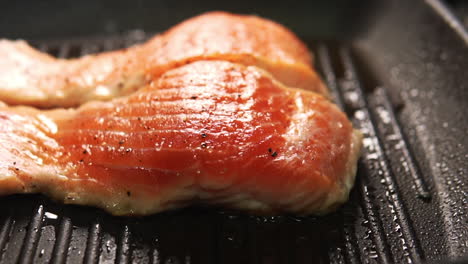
[[373, 254], [384, 115], [108, 246], [360, 115], [50, 215]]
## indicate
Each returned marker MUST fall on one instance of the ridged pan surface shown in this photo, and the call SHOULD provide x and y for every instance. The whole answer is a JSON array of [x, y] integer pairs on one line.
[[408, 205]]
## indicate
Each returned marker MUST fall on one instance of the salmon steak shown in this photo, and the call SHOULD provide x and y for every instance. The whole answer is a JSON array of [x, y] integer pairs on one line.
[[211, 132], [30, 77]]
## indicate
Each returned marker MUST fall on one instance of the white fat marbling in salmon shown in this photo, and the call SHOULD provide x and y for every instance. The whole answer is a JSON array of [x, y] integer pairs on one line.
[[30, 77], [211, 131]]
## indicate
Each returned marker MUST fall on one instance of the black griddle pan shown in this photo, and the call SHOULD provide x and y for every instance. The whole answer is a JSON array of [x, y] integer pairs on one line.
[[398, 68]]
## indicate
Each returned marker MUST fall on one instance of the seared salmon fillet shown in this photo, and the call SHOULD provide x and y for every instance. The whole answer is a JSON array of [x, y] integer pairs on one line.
[[210, 132], [30, 77]]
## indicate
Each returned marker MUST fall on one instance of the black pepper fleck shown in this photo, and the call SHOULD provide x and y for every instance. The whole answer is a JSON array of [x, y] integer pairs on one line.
[[121, 142], [193, 97], [85, 152], [14, 162], [81, 160], [129, 193], [274, 154], [203, 135], [270, 150], [203, 145], [17, 169]]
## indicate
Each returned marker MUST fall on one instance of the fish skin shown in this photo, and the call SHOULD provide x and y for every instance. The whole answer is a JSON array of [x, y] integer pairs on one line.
[[213, 132], [30, 77]]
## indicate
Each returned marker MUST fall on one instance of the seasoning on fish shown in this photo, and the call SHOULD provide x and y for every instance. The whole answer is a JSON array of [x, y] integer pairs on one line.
[[246, 141], [30, 77]]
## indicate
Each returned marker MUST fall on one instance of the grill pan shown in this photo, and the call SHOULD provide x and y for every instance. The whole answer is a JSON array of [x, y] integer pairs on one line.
[[401, 81]]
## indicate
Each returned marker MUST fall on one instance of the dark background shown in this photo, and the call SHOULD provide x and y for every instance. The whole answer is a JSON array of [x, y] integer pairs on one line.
[[31, 19], [337, 19]]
